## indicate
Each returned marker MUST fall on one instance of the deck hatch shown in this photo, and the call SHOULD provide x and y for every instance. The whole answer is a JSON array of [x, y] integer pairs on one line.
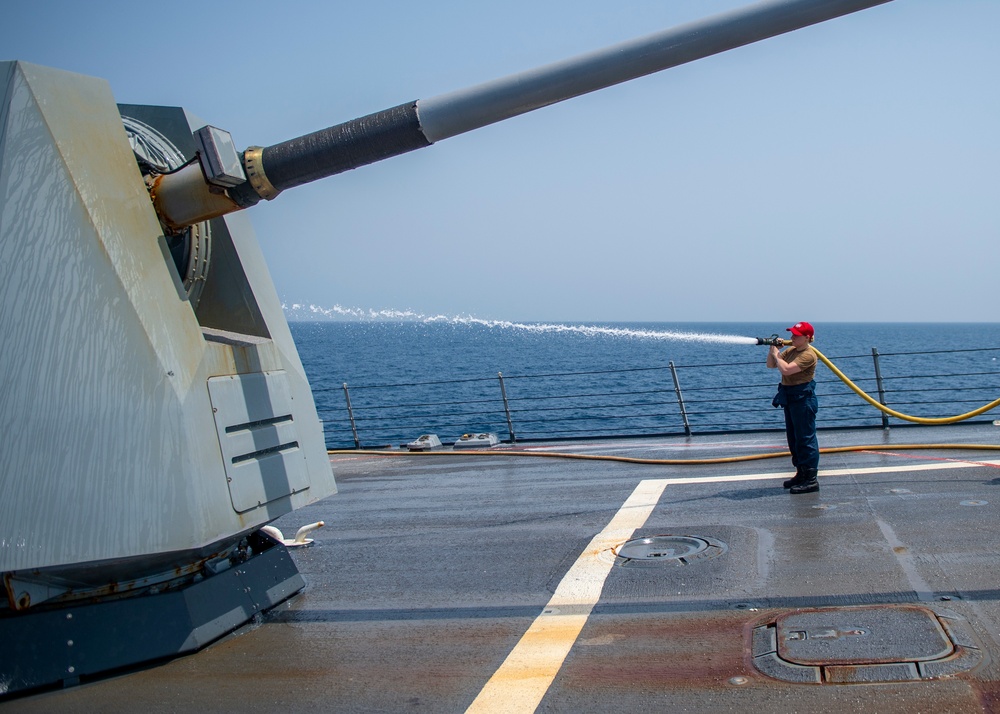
[[889, 643], [667, 550], [861, 636]]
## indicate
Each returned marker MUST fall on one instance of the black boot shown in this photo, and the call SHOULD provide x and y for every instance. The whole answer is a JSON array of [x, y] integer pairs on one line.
[[794, 480], [808, 484]]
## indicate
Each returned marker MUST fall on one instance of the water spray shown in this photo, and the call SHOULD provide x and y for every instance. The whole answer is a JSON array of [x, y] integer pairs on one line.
[[316, 312]]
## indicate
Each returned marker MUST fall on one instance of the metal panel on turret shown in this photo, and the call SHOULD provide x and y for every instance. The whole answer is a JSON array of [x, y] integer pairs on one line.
[[255, 419]]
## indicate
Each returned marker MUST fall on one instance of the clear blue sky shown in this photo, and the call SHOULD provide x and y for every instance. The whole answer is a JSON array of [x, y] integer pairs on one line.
[[846, 172]]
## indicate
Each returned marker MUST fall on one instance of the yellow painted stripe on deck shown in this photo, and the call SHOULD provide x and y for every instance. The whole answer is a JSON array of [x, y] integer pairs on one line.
[[521, 681]]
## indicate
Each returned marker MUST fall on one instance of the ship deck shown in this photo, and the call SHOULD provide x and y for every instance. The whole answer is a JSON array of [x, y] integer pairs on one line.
[[449, 583]]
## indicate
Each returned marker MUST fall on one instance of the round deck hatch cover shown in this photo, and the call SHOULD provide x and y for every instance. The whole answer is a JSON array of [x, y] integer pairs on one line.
[[668, 549]]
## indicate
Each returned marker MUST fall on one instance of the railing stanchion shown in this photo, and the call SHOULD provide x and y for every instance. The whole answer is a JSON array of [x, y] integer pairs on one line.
[[506, 409], [350, 415], [680, 400], [881, 387]]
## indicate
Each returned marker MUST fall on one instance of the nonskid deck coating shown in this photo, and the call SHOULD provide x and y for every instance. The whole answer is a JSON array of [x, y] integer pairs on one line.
[[431, 570]]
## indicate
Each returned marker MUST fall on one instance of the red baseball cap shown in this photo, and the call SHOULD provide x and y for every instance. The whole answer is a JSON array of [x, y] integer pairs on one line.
[[802, 328]]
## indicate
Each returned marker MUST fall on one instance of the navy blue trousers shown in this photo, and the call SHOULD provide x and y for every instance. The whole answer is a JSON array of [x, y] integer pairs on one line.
[[800, 405], [800, 430]]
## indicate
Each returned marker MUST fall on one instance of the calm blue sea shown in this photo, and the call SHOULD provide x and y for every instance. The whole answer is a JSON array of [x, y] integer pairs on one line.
[[614, 379]]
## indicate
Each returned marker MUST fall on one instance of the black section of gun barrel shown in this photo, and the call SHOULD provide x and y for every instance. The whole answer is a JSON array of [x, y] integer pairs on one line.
[[345, 146], [336, 149]]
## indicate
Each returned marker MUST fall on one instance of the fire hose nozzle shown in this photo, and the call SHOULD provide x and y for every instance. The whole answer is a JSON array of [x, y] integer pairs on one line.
[[774, 340]]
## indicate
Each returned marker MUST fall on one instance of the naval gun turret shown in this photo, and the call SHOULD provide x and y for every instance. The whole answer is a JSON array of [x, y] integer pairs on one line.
[[156, 413]]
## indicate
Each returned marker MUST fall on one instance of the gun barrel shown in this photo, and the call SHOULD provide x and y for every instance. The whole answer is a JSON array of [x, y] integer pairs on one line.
[[417, 124], [454, 113]]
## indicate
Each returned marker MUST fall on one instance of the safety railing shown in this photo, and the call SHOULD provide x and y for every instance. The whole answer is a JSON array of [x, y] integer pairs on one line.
[[663, 400]]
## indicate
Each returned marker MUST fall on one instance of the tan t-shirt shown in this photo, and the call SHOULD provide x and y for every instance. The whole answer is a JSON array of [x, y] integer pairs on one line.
[[805, 359]]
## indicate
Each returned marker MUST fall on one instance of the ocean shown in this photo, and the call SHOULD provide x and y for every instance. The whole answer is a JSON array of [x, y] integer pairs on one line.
[[411, 377]]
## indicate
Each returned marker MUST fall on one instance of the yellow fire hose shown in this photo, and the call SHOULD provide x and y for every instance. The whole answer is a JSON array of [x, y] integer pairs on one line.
[[731, 459], [664, 462], [892, 412]]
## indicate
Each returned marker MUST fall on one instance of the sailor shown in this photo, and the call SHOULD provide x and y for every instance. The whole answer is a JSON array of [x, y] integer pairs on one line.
[[797, 395]]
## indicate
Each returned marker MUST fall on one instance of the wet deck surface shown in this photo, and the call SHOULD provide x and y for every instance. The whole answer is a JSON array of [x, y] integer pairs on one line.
[[434, 570]]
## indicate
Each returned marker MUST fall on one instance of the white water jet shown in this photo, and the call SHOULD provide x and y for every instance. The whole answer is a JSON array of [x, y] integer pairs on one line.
[[301, 311]]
